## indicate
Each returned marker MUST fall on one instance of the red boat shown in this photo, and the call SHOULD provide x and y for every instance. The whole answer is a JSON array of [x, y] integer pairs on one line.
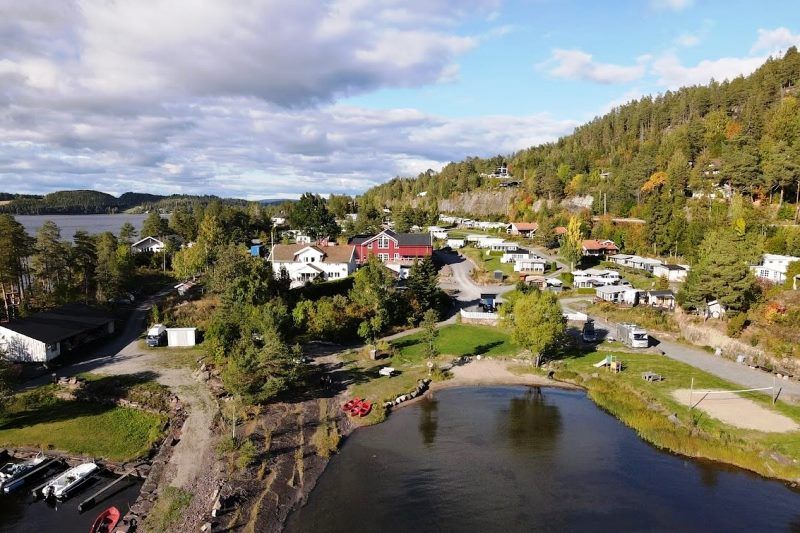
[[106, 522], [364, 409], [351, 404]]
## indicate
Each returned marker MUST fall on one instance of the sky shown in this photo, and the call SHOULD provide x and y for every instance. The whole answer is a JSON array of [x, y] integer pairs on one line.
[[265, 99]]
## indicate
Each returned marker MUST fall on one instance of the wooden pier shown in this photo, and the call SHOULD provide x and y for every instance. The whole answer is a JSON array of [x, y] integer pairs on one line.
[[91, 501], [10, 487]]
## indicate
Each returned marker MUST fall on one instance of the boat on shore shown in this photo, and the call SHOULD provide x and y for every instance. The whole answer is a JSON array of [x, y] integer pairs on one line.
[[61, 486], [106, 521], [11, 473]]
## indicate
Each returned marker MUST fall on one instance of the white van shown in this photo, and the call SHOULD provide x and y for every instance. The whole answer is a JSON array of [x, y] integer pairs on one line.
[[157, 335]]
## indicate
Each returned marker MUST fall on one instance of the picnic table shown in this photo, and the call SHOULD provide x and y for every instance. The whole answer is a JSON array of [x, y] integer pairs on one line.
[[651, 376]]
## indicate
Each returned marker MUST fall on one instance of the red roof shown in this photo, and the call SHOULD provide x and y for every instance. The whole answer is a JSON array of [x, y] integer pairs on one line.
[[526, 226], [594, 244], [560, 230]]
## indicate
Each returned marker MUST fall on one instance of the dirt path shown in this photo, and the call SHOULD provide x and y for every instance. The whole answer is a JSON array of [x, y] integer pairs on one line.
[[737, 411], [197, 439]]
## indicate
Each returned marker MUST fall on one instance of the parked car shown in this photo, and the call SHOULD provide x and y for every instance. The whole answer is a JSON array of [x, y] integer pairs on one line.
[[157, 336]]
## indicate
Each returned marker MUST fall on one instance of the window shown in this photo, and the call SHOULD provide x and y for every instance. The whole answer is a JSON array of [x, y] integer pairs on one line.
[[383, 242], [383, 257], [396, 257]]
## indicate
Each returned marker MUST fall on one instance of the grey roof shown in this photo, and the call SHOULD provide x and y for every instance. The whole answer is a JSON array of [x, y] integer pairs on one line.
[[661, 293], [403, 239], [671, 267], [59, 324]]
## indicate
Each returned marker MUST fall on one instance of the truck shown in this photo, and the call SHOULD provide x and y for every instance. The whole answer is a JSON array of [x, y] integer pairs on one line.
[[156, 335], [632, 335]]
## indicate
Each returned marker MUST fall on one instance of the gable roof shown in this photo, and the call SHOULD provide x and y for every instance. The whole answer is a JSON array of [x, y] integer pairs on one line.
[[286, 253], [140, 241], [594, 244], [525, 226], [402, 239], [59, 324]]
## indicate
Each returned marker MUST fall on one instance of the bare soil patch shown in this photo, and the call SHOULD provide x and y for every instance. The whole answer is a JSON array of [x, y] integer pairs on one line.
[[737, 411]]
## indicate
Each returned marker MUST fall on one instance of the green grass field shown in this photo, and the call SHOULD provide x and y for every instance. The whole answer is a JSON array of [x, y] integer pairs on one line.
[[39, 420], [643, 406], [454, 341], [457, 340], [488, 263]]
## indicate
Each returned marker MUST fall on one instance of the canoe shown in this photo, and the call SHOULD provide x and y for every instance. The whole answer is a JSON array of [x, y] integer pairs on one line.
[[106, 522], [351, 403], [61, 486], [11, 472], [364, 409]]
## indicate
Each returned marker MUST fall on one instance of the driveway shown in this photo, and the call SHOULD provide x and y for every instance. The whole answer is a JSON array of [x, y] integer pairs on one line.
[[469, 292], [743, 375]]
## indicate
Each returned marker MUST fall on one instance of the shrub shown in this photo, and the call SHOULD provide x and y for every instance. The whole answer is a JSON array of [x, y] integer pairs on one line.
[[736, 324], [326, 439], [247, 454]]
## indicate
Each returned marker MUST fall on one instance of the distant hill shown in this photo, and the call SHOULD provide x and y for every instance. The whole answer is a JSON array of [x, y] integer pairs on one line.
[[87, 202], [275, 201]]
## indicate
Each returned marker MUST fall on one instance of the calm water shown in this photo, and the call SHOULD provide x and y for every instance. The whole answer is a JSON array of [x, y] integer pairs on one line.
[[69, 224], [507, 459], [20, 513]]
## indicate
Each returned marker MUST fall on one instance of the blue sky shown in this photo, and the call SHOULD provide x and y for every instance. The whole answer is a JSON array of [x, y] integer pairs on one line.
[[268, 99]]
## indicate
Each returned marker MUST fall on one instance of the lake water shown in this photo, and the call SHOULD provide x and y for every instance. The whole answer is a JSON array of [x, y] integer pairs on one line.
[[69, 224], [21, 513], [507, 459]]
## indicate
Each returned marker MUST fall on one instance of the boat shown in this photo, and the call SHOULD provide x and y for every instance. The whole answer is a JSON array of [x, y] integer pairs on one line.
[[364, 408], [11, 473], [106, 521], [61, 486], [351, 404]]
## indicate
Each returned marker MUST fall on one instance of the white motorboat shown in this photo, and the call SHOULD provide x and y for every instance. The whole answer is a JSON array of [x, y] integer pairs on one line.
[[11, 473], [61, 486]]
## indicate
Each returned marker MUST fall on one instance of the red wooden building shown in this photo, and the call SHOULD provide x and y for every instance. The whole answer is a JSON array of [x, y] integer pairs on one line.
[[393, 247]]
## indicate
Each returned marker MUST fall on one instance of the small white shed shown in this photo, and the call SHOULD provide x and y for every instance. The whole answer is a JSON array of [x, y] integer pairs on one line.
[[181, 337]]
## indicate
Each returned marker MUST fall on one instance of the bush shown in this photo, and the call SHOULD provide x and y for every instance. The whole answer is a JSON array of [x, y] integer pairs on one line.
[[736, 324], [247, 454], [326, 439]]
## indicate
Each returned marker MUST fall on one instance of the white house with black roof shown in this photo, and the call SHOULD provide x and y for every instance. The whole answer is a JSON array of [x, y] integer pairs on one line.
[[42, 337]]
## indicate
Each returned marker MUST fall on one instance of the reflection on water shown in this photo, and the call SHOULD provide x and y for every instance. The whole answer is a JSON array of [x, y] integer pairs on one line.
[[427, 420], [514, 459], [532, 422]]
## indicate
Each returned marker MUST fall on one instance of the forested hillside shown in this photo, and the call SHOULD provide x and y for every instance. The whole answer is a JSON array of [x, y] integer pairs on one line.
[[83, 202], [743, 133]]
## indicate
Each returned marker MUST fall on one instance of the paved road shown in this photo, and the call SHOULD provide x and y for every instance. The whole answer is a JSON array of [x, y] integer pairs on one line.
[[719, 366], [469, 292]]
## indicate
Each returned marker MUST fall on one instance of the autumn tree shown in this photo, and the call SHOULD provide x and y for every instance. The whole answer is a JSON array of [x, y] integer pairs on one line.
[[537, 323], [572, 243]]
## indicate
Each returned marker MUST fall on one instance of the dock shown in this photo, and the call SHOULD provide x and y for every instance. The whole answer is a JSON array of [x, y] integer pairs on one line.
[[36, 490], [91, 501], [9, 487]]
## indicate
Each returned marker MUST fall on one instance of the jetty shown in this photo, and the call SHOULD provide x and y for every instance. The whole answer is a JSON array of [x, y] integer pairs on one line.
[[18, 482], [91, 501]]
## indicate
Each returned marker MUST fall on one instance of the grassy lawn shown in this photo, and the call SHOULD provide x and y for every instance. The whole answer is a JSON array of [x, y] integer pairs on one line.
[[38, 419], [454, 341], [644, 406], [487, 264], [457, 340]]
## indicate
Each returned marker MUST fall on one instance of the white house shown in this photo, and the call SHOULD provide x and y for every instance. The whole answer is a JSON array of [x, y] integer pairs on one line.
[[148, 244], [455, 243], [594, 277], [773, 267], [304, 263], [437, 232], [504, 246], [518, 255], [302, 238], [278, 221], [475, 237], [487, 242], [644, 263], [42, 337], [524, 229], [621, 259], [671, 272], [535, 265], [618, 294], [662, 299]]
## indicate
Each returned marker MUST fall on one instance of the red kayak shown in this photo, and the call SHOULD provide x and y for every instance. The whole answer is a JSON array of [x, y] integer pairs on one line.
[[106, 522], [364, 409], [352, 403]]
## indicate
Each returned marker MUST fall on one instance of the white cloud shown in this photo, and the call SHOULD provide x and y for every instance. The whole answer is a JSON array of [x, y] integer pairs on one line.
[[673, 74], [774, 41], [673, 5], [234, 98], [579, 65], [687, 40]]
